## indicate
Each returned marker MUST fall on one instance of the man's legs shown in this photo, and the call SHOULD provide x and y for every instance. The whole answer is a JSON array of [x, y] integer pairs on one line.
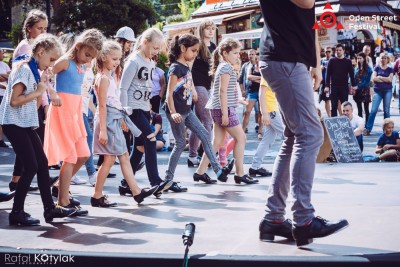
[[302, 138]]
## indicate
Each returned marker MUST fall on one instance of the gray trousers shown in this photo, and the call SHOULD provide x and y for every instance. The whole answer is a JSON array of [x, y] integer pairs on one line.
[[303, 137], [270, 133], [178, 129]]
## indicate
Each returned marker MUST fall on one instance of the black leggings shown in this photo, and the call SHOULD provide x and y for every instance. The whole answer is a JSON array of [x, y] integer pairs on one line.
[[29, 150], [142, 120], [366, 110]]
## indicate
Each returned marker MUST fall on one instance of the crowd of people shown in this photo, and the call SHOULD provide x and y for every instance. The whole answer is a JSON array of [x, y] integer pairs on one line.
[[46, 104], [365, 81]]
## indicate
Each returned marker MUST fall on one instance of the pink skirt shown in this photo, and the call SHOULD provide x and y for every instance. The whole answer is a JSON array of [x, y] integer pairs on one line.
[[65, 133]]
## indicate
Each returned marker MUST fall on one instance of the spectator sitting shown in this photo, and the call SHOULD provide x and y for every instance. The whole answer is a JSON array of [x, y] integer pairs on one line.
[[357, 123], [388, 143], [156, 127]]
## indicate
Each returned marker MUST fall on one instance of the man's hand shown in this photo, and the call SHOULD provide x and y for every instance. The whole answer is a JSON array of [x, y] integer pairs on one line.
[[316, 74]]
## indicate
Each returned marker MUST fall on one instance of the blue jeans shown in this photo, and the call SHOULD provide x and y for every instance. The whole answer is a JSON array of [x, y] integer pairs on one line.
[[379, 95], [89, 164]]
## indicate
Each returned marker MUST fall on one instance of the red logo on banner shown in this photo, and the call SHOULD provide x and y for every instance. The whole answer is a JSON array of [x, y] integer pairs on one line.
[[328, 19]]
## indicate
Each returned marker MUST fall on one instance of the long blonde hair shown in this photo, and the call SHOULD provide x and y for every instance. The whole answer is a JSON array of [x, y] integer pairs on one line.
[[226, 45], [92, 38], [150, 35], [204, 53]]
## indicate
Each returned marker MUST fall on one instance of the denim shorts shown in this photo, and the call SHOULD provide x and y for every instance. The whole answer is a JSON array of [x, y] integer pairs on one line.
[[216, 115], [252, 96]]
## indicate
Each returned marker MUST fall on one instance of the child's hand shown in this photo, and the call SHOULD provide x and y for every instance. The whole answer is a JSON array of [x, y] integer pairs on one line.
[[124, 127], [225, 120], [265, 119], [386, 147], [41, 88], [242, 101], [103, 138], [176, 117], [55, 99]]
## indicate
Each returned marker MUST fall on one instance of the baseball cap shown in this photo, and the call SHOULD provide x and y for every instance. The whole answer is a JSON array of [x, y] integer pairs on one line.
[[126, 33]]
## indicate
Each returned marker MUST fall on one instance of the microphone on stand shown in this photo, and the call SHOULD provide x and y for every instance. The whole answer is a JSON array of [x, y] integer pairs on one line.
[[188, 234]]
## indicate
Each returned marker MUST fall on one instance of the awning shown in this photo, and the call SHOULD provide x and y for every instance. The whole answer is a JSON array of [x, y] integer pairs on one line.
[[196, 22], [245, 35], [344, 9], [391, 25]]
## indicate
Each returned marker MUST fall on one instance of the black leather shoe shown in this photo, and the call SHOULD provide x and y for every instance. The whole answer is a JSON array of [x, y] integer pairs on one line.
[[176, 188], [165, 185], [262, 172], [268, 230], [318, 227], [203, 177], [13, 187], [245, 179], [145, 193], [102, 202], [223, 176], [6, 196], [57, 212], [124, 190], [74, 201], [22, 218], [78, 210]]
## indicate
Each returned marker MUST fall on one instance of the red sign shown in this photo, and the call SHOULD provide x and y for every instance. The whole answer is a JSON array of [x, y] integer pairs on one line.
[[214, 1], [328, 19]]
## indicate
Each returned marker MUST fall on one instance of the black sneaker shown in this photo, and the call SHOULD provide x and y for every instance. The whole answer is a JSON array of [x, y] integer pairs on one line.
[[57, 212], [176, 188], [3, 144], [262, 172], [268, 230], [318, 227]]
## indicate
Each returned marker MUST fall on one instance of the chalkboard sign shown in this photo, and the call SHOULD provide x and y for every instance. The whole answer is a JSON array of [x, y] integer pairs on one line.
[[344, 143]]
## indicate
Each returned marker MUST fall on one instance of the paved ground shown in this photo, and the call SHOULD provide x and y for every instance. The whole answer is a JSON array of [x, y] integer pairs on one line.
[[226, 215]]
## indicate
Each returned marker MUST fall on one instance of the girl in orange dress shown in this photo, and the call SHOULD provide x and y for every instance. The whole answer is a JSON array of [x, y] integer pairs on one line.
[[65, 134]]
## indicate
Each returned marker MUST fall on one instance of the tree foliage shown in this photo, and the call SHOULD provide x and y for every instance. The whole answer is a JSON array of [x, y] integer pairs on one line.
[[187, 7], [105, 15]]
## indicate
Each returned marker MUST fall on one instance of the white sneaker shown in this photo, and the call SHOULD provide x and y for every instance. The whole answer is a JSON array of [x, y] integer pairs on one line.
[[76, 180], [92, 179]]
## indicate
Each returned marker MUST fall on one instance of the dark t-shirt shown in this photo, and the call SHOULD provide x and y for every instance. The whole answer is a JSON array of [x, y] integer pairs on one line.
[[200, 70], [384, 73], [388, 140], [287, 35], [255, 86], [183, 89]]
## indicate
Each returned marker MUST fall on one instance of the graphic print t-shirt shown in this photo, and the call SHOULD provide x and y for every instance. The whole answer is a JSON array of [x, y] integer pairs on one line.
[[183, 88], [137, 82]]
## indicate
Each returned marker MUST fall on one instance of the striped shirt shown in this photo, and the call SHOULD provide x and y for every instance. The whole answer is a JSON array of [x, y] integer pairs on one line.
[[26, 115], [232, 93]]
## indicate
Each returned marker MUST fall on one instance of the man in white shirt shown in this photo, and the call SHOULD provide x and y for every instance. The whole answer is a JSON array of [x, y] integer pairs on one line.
[[357, 123], [4, 72], [367, 52]]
